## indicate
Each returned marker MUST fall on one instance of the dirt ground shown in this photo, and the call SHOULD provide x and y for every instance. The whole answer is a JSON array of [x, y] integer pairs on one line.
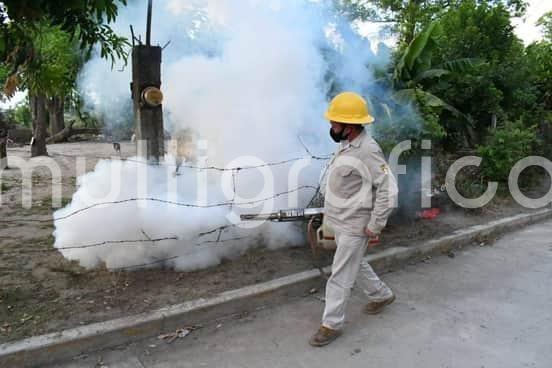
[[42, 292]]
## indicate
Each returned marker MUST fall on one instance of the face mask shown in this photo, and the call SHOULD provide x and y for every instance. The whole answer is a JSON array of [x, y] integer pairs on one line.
[[337, 137]]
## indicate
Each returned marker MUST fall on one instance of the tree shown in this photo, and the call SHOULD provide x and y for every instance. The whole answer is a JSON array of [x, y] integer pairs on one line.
[[498, 88], [405, 17], [506, 146], [48, 78], [545, 22], [32, 36], [83, 20], [54, 72], [409, 17], [413, 75], [540, 60], [539, 56]]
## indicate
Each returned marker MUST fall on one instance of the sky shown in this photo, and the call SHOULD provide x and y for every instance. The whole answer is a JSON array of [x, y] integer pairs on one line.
[[526, 29], [17, 98]]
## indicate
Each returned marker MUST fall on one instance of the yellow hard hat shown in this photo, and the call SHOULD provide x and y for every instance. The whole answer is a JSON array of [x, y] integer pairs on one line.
[[350, 108]]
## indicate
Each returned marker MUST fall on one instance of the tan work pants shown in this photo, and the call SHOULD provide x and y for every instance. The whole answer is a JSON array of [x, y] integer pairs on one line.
[[348, 261]]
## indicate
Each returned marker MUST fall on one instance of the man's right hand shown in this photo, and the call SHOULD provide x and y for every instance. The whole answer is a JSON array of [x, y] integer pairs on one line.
[[373, 238], [370, 234], [372, 242]]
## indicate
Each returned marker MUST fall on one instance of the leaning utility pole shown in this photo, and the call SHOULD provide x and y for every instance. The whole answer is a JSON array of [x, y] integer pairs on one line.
[[147, 96]]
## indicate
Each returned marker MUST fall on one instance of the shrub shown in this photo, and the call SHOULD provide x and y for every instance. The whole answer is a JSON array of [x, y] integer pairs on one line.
[[505, 146]]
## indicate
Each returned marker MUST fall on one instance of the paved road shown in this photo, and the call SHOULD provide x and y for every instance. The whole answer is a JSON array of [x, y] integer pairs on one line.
[[489, 306]]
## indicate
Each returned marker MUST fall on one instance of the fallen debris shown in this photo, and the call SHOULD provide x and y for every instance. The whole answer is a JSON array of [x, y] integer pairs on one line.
[[178, 334]]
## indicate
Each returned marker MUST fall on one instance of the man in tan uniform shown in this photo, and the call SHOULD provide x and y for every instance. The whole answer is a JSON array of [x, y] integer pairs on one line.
[[360, 193]]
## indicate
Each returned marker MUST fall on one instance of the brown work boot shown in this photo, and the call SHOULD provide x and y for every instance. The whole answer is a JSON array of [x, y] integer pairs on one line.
[[376, 307], [324, 336]]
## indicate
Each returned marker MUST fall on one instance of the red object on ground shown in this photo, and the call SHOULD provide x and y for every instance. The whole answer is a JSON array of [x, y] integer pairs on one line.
[[430, 214]]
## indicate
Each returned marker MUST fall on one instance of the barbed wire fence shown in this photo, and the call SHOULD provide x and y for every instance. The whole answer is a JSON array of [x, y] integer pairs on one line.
[[217, 238]]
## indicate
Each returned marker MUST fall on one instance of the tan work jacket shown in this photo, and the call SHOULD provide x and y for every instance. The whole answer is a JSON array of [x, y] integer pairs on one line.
[[360, 190]]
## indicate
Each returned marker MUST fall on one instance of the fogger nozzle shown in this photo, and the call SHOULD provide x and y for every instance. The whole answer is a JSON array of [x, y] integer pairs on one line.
[[295, 214]]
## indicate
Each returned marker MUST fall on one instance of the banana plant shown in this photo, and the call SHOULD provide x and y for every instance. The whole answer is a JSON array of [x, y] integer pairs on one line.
[[414, 69]]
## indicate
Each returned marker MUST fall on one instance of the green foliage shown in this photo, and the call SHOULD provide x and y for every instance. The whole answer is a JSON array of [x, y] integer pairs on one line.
[[85, 20], [411, 121], [498, 85], [408, 17], [458, 70], [545, 22], [20, 114], [460, 63], [414, 74], [470, 183], [416, 57], [4, 72], [54, 68], [392, 129], [539, 58], [545, 141], [506, 146]]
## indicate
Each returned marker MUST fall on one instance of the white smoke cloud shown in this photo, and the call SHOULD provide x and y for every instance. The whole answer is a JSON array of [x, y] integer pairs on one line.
[[249, 78]]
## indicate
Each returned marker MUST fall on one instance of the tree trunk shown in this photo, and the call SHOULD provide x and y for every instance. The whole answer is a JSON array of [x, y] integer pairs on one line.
[[3, 143], [69, 131], [62, 135], [55, 110], [32, 109], [40, 122], [3, 154]]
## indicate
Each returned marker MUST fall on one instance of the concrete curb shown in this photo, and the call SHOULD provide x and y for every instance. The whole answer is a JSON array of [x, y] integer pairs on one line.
[[44, 349]]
